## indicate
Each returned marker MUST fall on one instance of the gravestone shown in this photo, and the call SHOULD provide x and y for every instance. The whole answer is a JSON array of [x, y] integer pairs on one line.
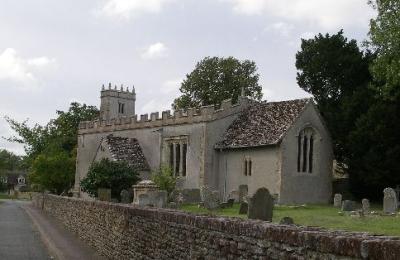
[[243, 192], [389, 201], [190, 195], [365, 206], [261, 205], [286, 221], [126, 197], [337, 200], [234, 194], [104, 194], [144, 200], [348, 205], [210, 198], [243, 208], [158, 198]]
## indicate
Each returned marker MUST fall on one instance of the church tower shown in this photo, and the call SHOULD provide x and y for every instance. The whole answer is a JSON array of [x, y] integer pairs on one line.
[[117, 103]]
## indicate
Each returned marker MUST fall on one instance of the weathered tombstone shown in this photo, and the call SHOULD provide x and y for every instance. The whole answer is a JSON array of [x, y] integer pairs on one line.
[[397, 192], [243, 208], [144, 200], [348, 205], [389, 201], [261, 205], [191, 195], [365, 206], [337, 200], [243, 192], [104, 194], [158, 198], [286, 221], [143, 187], [126, 197], [210, 198], [234, 194]]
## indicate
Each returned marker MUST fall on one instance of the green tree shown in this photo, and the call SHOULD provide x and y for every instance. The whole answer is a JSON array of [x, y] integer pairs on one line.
[[336, 72], [375, 159], [114, 175], [50, 144], [215, 79], [54, 173], [384, 38], [164, 178]]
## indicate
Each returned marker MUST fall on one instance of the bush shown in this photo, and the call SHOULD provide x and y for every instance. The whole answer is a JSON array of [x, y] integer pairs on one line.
[[114, 175], [164, 178]]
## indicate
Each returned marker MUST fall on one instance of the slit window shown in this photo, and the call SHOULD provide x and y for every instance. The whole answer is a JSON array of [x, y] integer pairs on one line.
[[121, 108]]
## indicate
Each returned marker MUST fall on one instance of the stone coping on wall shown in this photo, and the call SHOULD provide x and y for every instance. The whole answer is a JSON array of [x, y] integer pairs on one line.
[[190, 116], [358, 245]]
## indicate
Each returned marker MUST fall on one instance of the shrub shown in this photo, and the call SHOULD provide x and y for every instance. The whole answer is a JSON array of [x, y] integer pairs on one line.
[[114, 175]]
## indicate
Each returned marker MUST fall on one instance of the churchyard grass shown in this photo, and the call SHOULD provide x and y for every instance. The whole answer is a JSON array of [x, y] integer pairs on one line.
[[321, 216], [4, 196]]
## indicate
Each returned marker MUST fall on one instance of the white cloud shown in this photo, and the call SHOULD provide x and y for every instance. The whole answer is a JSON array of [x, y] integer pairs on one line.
[[328, 14], [156, 50], [171, 86], [131, 8], [307, 35], [281, 28], [17, 69]]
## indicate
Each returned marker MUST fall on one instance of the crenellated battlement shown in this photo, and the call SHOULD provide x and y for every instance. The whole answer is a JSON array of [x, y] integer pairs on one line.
[[189, 116]]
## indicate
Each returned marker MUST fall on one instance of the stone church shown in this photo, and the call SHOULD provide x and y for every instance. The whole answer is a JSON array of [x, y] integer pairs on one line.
[[284, 146]]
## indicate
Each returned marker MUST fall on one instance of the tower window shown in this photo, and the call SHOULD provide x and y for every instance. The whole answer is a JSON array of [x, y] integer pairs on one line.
[[121, 108]]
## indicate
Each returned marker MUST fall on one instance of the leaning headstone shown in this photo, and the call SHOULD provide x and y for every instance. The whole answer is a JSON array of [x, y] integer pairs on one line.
[[366, 208], [243, 192], [126, 197], [243, 208], [389, 201], [261, 205], [104, 194], [337, 200], [348, 205], [286, 221]]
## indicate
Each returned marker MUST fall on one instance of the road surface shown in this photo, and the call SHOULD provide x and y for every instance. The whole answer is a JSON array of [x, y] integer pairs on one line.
[[19, 239]]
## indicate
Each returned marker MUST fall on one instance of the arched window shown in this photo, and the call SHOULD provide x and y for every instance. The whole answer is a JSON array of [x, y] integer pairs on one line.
[[305, 150]]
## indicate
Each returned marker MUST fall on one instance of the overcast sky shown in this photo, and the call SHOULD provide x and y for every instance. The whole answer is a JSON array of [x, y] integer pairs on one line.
[[55, 52]]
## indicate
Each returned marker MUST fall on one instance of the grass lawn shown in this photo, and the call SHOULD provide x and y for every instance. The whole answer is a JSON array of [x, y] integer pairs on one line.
[[322, 216]]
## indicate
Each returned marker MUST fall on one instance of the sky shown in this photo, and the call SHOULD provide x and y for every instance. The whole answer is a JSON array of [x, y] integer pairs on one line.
[[55, 52]]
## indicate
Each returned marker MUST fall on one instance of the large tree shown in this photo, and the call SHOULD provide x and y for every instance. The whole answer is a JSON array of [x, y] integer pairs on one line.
[[51, 149], [375, 160], [215, 79], [385, 39], [336, 72]]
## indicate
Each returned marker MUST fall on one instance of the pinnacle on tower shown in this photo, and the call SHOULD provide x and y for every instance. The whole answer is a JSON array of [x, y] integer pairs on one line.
[[102, 87], [109, 85]]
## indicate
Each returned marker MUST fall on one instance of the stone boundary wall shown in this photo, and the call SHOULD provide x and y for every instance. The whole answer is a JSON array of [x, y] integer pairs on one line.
[[125, 232], [204, 114]]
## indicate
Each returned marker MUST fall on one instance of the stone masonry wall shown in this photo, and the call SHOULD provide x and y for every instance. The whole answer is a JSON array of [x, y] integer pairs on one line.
[[126, 232]]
